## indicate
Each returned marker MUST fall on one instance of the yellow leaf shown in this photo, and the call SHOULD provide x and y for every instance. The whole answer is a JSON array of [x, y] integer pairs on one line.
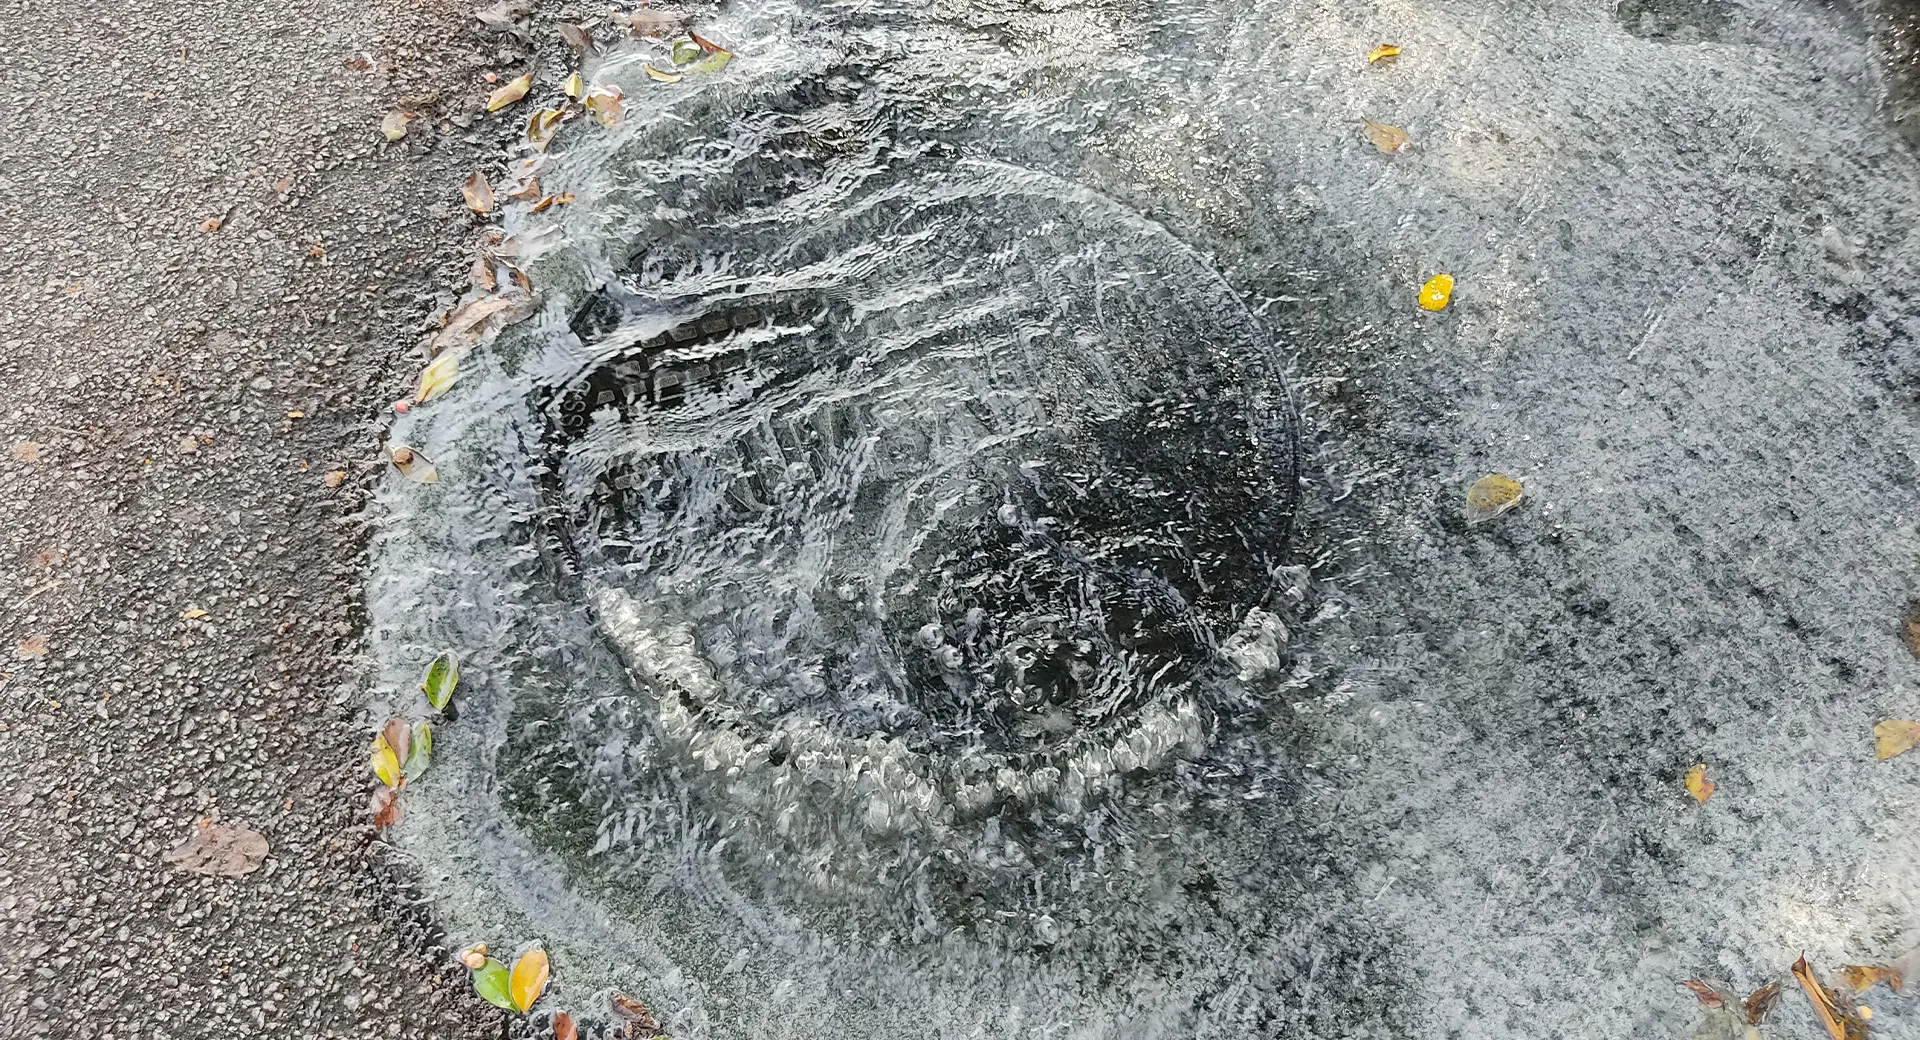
[[529, 978], [575, 86], [1385, 50], [435, 378], [541, 128], [395, 125], [542, 205], [1698, 785], [514, 90], [193, 614], [412, 465], [478, 193], [1492, 495], [1895, 737], [1389, 139], [1435, 295], [1861, 977], [607, 106], [664, 77], [386, 764]]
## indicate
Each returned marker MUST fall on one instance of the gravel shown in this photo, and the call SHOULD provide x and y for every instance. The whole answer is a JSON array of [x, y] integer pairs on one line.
[[219, 276]]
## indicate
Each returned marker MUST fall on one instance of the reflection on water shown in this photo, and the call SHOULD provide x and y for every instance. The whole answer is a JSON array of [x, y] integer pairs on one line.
[[971, 544]]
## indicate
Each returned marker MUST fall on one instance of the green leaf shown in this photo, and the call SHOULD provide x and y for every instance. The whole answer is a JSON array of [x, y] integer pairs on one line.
[[420, 752], [491, 980], [442, 676], [713, 62], [685, 51]]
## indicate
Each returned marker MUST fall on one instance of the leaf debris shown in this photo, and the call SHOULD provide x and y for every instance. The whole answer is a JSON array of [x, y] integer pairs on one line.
[[1698, 785], [1836, 1011], [1491, 496], [478, 193], [1894, 737], [219, 850], [514, 90], [412, 465], [1391, 140], [1383, 52]]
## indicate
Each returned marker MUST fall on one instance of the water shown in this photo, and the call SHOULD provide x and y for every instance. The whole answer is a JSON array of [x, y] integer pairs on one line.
[[972, 542]]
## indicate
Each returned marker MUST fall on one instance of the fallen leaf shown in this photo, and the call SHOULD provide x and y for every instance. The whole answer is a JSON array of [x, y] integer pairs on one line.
[[542, 205], [1491, 496], [574, 36], [575, 86], [563, 1028], [607, 105], [1436, 293], [31, 647], [385, 760], [1389, 139], [336, 478], [1861, 977], [384, 806], [705, 44], [1910, 628], [193, 614], [684, 51], [398, 736], [478, 193], [1837, 1016], [481, 275], [633, 1013], [1698, 785], [542, 126], [471, 321], [1895, 737], [218, 850], [663, 77], [515, 89], [419, 752], [212, 224], [439, 375], [1385, 50], [527, 190], [1706, 994], [529, 978], [394, 125], [1759, 1003], [412, 465], [442, 676], [504, 17], [26, 451], [492, 982], [712, 63], [358, 63], [646, 23], [296, 414]]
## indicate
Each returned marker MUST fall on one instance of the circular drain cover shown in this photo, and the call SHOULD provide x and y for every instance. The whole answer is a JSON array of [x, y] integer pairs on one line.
[[930, 516]]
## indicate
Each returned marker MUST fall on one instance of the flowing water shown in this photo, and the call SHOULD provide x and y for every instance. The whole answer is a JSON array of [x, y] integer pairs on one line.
[[971, 543]]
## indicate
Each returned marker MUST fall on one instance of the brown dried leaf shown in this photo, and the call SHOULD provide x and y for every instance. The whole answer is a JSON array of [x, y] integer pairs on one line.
[[399, 737], [1759, 1003], [514, 90], [504, 17], [542, 205], [384, 807], [1910, 628], [526, 191], [478, 193], [33, 646], [218, 850], [1391, 140], [212, 224], [646, 23], [26, 451], [1861, 977], [1698, 785], [1706, 994], [1492, 495], [336, 478], [706, 45], [482, 275], [574, 36], [633, 1013], [471, 321], [1837, 1014]]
